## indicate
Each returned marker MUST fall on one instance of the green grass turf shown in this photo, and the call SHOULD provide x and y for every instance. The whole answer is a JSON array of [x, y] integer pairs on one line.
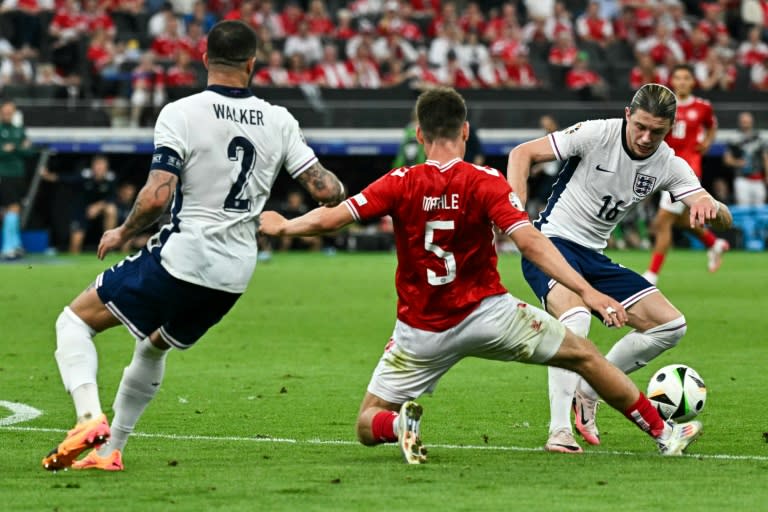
[[292, 360]]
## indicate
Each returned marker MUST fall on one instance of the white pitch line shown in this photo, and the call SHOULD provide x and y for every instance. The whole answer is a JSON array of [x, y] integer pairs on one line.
[[21, 413], [282, 440]]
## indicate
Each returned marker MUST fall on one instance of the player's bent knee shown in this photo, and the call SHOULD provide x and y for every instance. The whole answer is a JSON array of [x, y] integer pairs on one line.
[[577, 320], [669, 334]]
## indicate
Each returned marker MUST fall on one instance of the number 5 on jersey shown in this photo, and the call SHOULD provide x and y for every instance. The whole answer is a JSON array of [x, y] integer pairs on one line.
[[448, 259]]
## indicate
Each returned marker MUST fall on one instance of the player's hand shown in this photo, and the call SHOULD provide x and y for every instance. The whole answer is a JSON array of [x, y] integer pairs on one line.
[[271, 223], [612, 312], [703, 211], [111, 239]]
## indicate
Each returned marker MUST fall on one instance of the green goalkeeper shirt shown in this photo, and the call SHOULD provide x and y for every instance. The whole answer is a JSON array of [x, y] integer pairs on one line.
[[12, 162]]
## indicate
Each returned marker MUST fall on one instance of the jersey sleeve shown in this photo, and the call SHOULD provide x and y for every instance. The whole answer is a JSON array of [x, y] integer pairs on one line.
[[681, 181], [298, 155], [576, 140], [171, 147], [502, 204], [378, 198]]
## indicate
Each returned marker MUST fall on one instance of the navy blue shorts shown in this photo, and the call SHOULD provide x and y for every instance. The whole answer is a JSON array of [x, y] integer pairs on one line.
[[612, 279], [140, 293]]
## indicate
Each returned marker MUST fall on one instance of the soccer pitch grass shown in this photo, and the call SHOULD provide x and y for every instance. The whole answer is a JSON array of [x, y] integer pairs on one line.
[[260, 414]]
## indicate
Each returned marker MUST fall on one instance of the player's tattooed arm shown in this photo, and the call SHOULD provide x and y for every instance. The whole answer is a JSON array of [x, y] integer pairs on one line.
[[151, 202], [322, 184]]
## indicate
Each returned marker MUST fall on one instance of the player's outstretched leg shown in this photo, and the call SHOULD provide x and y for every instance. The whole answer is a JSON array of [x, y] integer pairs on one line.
[[585, 413], [408, 436]]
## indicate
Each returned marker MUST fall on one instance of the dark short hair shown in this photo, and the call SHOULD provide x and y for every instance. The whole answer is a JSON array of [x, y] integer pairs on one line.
[[231, 43], [441, 112], [656, 99], [678, 67]]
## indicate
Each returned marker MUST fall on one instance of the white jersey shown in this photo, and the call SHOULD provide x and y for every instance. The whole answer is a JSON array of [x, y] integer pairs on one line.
[[601, 182], [227, 147]]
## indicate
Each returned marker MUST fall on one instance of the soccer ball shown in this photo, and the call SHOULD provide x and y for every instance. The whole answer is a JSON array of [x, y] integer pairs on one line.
[[678, 392]]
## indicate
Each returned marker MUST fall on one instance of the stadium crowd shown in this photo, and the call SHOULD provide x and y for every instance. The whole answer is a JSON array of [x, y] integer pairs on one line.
[[142, 49]]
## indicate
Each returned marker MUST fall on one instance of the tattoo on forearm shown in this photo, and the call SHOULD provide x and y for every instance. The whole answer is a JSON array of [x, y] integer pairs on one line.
[[143, 214], [322, 182]]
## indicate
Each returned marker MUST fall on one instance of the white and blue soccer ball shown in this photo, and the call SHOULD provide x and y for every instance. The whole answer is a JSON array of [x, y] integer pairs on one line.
[[678, 392]]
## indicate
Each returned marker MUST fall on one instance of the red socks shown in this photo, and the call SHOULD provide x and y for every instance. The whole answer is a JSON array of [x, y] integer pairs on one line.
[[708, 238], [657, 260], [643, 414], [382, 426]]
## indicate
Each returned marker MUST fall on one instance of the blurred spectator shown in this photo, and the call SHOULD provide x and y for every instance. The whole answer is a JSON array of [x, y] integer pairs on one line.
[[96, 202], [168, 43], [521, 73], [450, 39], [275, 73], [100, 55], [393, 46], [97, 18], [647, 72], [755, 13], [495, 75], [448, 17], [504, 21], [394, 73], [16, 70], [472, 19], [364, 69], [344, 30], [712, 24], [564, 52], [14, 147], [421, 74], [624, 26], [298, 71], [473, 54], [675, 18], [265, 45], [592, 27], [201, 16], [67, 29], [330, 72], [453, 74], [560, 22], [395, 21], [304, 43], [507, 44], [148, 81], [26, 21], [294, 206], [715, 73], [158, 23], [366, 35], [541, 9], [46, 75], [424, 8], [182, 74], [320, 24], [290, 18], [747, 155], [267, 17], [195, 42], [584, 80], [696, 48], [641, 17], [758, 76], [661, 46], [753, 50]]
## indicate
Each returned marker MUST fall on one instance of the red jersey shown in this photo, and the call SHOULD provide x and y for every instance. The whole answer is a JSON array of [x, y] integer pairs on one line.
[[442, 217], [694, 116]]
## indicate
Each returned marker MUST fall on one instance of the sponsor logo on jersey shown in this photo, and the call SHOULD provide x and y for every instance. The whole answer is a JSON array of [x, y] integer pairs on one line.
[[643, 184], [360, 199]]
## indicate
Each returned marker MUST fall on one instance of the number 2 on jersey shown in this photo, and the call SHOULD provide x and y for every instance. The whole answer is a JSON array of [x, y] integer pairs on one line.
[[233, 203], [448, 259]]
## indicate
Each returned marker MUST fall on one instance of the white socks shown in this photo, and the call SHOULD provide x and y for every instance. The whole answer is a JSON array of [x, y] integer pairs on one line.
[[563, 383], [636, 349], [141, 380], [78, 363]]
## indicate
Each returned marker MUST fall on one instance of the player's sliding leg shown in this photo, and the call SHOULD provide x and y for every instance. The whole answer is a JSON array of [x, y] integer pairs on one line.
[[378, 423], [621, 393], [562, 385], [659, 327], [78, 363]]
